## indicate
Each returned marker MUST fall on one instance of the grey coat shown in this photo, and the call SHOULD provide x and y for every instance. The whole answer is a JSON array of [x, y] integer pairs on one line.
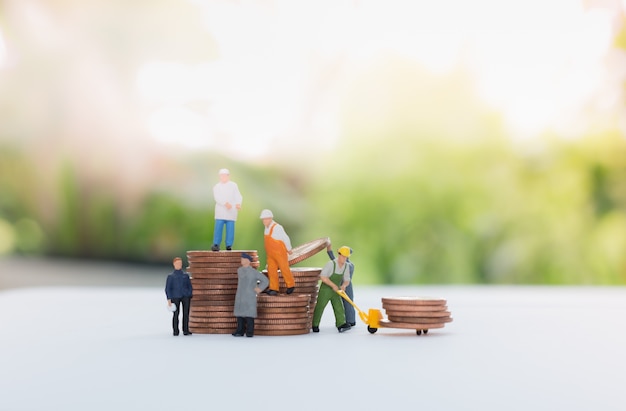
[[245, 299]]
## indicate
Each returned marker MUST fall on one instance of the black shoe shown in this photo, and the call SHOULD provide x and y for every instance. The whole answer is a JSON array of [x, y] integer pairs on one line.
[[249, 335], [215, 247], [188, 333], [271, 292], [344, 327], [176, 333], [236, 334], [229, 248], [316, 329], [352, 324], [290, 290]]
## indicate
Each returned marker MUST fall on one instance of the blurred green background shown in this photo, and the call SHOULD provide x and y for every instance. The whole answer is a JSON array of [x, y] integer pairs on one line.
[[447, 143]]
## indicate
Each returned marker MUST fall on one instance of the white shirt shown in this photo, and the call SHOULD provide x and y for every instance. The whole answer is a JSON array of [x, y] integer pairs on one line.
[[332, 267], [226, 193], [279, 234]]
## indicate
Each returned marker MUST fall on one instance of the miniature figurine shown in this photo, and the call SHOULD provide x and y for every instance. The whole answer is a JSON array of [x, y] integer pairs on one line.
[[250, 284], [277, 248], [334, 275], [347, 307], [227, 203], [179, 291]]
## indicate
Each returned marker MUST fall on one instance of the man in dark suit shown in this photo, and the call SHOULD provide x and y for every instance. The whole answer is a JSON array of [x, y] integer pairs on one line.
[[179, 291]]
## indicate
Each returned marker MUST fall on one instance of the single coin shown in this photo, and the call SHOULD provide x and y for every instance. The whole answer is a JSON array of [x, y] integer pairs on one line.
[[428, 314], [287, 321], [306, 250], [410, 326], [209, 300], [211, 330], [420, 320], [414, 300], [262, 326], [415, 308], [282, 332], [281, 316], [282, 310]]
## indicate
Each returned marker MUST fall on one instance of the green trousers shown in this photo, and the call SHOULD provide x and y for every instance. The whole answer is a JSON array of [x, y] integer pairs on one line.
[[325, 295]]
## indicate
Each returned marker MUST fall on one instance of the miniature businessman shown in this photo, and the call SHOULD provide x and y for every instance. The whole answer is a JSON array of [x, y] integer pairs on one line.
[[227, 203], [347, 307], [250, 284], [179, 291], [335, 275], [277, 248]]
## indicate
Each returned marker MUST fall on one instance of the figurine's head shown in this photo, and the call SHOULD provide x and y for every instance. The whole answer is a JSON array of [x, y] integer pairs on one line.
[[267, 217], [344, 253], [246, 259], [224, 175], [177, 263]]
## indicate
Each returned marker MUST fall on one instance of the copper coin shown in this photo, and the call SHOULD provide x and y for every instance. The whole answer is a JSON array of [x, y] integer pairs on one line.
[[269, 327], [216, 325], [415, 308], [211, 277], [414, 300], [282, 332], [217, 294], [420, 320], [203, 286], [306, 250], [287, 321], [209, 269], [211, 301], [215, 281], [284, 298], [410, 326], [204, 253], [220, 265], [428, 314], [206, 330], [281, 310], [281, 316]]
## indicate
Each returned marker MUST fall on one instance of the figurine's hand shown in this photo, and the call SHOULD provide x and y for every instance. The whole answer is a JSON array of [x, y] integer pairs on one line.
[[228, 206], [257, 290], [238, 206], [290, 252], [329, 248]]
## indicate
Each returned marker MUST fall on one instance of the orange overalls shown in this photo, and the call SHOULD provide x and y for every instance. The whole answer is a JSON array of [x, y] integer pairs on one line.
[[277, 259]]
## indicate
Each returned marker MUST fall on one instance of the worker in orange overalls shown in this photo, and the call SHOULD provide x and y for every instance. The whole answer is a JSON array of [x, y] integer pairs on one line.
[[277, 248]]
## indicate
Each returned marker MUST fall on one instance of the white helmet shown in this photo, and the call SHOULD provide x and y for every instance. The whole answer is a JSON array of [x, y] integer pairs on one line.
[[266, 214]]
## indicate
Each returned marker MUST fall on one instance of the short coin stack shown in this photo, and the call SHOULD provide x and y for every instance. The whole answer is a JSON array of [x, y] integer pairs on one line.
[[306, 283], [282, 314], [418, 313], [214, 280]]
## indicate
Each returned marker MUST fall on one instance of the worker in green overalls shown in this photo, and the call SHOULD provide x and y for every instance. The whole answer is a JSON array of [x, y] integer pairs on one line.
[[334, 275]]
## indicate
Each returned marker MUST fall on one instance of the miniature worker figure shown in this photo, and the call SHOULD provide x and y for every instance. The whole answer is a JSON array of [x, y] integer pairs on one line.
[[335, 275], [227, 203], [347, 307], [179, 291], [277, 248], [250, 284]]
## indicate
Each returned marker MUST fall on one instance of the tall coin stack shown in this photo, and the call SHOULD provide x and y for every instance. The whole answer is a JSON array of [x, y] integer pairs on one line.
[[214, 280], [418, 313]]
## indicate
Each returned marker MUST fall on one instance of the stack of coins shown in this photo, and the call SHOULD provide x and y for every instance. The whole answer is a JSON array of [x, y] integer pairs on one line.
[[306, 282], [214, 280], [283, 314], [418, 313]]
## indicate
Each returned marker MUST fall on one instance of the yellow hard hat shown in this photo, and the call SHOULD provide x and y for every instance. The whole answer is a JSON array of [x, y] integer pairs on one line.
[[345, 251]]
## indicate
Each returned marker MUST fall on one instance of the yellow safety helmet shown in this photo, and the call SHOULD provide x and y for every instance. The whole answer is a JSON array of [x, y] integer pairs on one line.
[[345, 251]]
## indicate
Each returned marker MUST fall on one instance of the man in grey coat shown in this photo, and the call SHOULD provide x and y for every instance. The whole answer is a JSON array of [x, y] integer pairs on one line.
[[250, 283]]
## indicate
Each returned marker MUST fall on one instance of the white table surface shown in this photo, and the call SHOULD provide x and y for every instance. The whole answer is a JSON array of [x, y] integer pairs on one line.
[[509, 348]]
